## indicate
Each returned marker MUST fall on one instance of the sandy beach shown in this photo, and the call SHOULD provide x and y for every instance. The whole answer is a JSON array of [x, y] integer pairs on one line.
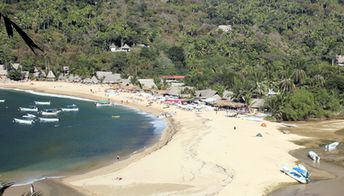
[[199, 153]]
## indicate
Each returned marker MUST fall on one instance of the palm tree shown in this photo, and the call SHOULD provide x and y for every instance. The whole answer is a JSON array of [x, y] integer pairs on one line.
[[299, 76], [318, 81], [287, 85], [9, 29]]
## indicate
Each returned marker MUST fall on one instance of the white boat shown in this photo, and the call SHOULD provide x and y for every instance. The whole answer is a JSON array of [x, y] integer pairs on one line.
[[332, 146], [295, 175], [103, 103], [42, 102], [41, 119], [50, 112], [314, 156], [23, 121], [29, 109], [29, 116], [2, 100], [302, 170], [70, 108]]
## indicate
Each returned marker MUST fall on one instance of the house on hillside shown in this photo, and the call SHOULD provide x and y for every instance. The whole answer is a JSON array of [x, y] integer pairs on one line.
[[3, 71], [124, 48], [225, 28], [65, 70], [340, 60], [51, 76]]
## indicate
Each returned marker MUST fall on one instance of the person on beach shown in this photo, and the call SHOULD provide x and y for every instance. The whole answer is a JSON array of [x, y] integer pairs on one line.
[[117, 157], [32, 189], [234, 128]]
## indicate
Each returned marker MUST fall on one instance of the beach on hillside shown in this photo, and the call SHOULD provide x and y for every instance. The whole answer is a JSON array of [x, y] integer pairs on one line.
[[200, 153]]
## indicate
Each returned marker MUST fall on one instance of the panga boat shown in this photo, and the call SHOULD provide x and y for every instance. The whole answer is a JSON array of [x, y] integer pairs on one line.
[[314, 156], [23, 121], [41, 119], [116, 116], [29, 109], [70, 108], [332, 146], [2, 100], [103, 103], [29, 116], [42, 102], [302, 170], [50, 112], [295, 175]]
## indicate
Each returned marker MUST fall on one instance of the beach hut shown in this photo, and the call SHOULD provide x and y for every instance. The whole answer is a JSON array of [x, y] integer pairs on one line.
[[16, 66], [65, 70], [125, 48], [204, 94], [227, 95], [62, 78], [257, 104], [112, 78], [147, 83], [212, 99], [92, 80], [101, 74], [3, 71], [228, 104], [51, 76]]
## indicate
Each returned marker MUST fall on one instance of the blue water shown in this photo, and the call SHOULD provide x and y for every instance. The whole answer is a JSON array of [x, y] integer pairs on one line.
[[77, 141]]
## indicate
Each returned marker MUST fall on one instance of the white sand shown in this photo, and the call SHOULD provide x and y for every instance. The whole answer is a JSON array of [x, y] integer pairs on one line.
[[204, 157]]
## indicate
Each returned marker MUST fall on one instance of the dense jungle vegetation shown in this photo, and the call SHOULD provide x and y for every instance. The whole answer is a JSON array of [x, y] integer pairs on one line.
[[285, 45]]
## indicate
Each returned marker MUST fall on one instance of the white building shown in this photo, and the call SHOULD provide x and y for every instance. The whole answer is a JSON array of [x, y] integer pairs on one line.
[[225, 28]]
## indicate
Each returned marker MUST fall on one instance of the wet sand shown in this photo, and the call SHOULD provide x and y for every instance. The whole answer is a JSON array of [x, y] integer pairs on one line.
[[328, 175]]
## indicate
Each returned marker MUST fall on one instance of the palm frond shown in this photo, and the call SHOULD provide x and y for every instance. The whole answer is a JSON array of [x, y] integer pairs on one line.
[[9, 29], [5, 186]]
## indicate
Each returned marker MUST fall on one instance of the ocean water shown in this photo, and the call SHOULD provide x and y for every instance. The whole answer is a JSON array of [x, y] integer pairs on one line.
[[79, 140]]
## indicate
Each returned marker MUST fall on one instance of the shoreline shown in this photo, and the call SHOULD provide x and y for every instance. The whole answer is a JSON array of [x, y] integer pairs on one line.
[[160, 140], [197, 154]]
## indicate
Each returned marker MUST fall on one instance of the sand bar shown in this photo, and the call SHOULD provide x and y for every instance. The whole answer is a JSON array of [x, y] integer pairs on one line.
[[203, 154]]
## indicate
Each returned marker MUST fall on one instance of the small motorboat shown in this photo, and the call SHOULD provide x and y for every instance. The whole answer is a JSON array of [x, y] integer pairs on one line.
[[23, 121], [302, 170], [314, 156], [29, 116], [332, 146], [70, 108], [50, 112], [103, 103], [116, 116], [295, 175], [42, 102], [2, 100], [28, 109], [41, 119]]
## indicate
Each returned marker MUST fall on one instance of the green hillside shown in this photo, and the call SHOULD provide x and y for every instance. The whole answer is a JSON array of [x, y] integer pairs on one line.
[[286, 45]]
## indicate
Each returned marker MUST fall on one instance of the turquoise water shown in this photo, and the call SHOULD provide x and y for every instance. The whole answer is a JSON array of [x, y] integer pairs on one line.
[[79, 140]]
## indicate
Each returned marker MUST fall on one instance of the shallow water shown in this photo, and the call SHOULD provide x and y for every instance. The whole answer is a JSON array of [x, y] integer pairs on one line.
[[328, 175], [81, 139]]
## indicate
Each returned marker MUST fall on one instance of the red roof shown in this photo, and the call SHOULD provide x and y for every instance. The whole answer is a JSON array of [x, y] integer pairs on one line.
[[173, 77]]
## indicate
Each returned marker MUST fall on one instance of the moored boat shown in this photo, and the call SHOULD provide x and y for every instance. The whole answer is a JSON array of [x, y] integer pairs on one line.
[[23, 121], [314, 156], [41, 119], [29, 116], [302, 170], [42, 102], [295, 175], [2, 100], [70, 108], [116, 116], [50, 112], [332, 146], [103, 103], [29, 109]]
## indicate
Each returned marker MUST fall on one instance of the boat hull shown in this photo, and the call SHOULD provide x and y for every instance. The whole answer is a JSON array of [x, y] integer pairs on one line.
[[103, 104], [48, 119], [28, 109], [70, 109], [22, 121], [42, 102]]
